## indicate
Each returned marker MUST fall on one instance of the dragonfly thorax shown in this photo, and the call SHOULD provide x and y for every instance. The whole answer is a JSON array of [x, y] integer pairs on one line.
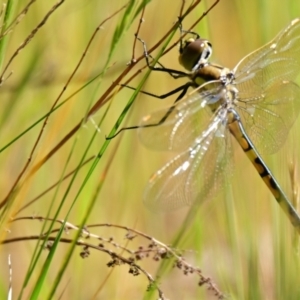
[[209, 72]]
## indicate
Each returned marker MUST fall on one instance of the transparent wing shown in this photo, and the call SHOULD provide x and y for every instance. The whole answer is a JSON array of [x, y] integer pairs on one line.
[[194, 175], [176, 127], [276, 61], [268, 119], [268, 99]]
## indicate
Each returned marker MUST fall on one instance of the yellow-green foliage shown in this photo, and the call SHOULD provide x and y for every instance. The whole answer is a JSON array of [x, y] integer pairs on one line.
[[241, 240]]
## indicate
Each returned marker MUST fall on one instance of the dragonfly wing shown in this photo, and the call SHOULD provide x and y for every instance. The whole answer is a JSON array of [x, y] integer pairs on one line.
[[268, 100], [175, 127], [268, 119], [195, 174], [278, 60]]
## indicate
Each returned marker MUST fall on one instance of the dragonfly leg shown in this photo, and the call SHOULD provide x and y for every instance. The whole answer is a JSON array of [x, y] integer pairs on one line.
[[183, 90], [182, 32], [174, 73]]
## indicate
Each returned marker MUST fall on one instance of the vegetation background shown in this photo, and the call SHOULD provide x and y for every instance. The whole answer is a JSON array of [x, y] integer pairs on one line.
[[241, 241]]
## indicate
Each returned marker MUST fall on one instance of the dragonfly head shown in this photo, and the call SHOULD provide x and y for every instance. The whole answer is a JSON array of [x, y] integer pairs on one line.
[[194, 53]]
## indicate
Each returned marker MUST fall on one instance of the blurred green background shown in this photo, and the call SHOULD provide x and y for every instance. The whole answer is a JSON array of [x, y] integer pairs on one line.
[[241, 239]]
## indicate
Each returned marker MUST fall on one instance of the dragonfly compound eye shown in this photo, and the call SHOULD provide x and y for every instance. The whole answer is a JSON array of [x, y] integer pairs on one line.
[[195, 53]]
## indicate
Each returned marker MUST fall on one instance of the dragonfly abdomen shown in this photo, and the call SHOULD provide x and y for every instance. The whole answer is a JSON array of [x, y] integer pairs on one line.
[[236, 129]]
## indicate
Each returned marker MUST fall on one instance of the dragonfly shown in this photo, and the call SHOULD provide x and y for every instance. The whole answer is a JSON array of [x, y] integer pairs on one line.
[[257, 103]]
